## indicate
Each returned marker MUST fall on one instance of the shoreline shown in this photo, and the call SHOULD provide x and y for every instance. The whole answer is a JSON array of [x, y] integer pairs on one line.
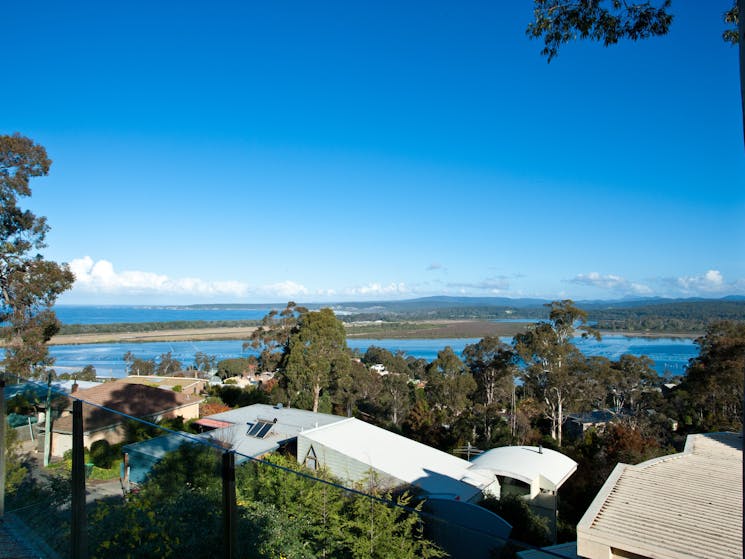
[[438, 329]]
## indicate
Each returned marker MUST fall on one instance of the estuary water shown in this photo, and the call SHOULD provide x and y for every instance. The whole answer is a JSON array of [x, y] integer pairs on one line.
[[668, 354]]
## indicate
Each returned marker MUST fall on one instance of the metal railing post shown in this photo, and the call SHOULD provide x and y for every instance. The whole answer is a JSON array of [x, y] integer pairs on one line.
[[78, 535], [229, 504]]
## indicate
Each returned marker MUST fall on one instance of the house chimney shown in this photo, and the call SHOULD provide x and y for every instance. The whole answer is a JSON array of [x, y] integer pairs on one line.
[[540, 449]]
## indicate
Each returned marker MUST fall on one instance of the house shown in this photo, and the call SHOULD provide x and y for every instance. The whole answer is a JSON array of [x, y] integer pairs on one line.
[[353, 450], [379, 368], [680, 506], [534, 474], [357, 453], [576, 424], [185, 385], [259, 429], [103, 404], [362, 454]]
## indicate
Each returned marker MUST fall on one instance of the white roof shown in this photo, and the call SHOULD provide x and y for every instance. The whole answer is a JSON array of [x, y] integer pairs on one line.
[[286, 424], [528, 464], [680, 506], [414, 463]]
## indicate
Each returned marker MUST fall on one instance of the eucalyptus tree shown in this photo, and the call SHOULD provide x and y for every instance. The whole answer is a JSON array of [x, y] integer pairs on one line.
[[272, 337], [492, 364], [449, 385], [396, 396], [167, 364], [555, 370], [628, 378], [29, 284], [714, 380], [316, 353]]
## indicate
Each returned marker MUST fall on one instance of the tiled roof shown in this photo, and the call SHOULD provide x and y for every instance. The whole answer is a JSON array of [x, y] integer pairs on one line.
[[137, 400], [681, 506]]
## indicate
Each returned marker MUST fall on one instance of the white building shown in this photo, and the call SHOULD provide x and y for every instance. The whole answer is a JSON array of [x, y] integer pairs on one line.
[[353, 451]]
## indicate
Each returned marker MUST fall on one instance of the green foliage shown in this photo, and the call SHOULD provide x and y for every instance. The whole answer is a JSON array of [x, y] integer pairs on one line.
[[713, 384], [87, 373], [237, 397], [167, 365], [139, 366], [492, 364], [555, 370], [316, 353], [280, 514], [15, 471], [177, 388], [101, 454], [558, 22], [394, 363], [235, 367], [527, 526], [29, 285], [273, 335]]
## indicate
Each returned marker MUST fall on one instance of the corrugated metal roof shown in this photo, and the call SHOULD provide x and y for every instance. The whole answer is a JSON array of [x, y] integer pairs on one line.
[[414, 463], [681, 506]]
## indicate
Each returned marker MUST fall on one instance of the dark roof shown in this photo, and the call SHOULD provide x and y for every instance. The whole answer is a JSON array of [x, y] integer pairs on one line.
[[595, 416], [137, 400]]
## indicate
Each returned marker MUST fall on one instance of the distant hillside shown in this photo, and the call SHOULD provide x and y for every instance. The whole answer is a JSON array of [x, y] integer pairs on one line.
[[651, 314]]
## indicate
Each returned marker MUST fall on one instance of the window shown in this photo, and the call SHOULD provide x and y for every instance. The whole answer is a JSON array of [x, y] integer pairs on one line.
[[260, 429]]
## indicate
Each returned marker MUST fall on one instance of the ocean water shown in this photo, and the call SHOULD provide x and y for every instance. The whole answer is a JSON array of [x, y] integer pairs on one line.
[[669, 354]]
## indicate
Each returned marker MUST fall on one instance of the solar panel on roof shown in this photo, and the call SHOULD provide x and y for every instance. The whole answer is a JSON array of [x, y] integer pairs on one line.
[[260, 429]]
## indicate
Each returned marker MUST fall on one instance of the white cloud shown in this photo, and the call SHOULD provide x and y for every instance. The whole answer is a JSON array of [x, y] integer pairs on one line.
[[376, 289], [101, 277], [711, 282], [284, 289], [493, 285], [611, 282]]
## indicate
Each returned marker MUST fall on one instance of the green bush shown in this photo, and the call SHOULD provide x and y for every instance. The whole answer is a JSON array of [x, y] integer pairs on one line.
[[101, 454]]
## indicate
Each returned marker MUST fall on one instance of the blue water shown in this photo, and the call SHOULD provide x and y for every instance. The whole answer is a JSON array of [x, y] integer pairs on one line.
[[110, 314], [667, 353]]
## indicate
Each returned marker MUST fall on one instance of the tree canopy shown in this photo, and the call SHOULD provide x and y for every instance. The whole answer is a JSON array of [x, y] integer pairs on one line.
[[560, 21], [29, 284]]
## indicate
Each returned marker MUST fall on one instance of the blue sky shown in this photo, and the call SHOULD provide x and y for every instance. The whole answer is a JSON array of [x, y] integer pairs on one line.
[[336, 151]]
